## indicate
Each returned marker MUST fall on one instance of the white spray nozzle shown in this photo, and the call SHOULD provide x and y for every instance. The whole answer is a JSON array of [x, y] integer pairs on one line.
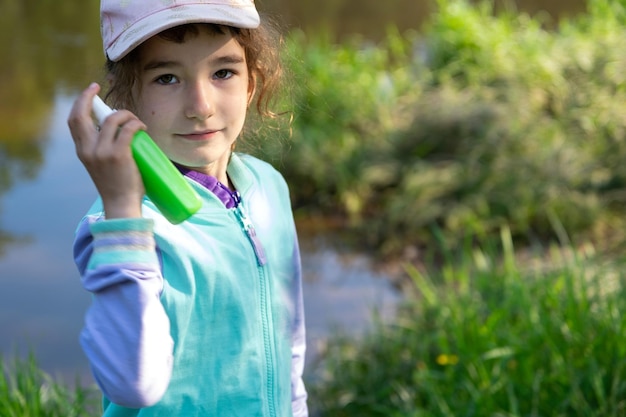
[[100, 109]]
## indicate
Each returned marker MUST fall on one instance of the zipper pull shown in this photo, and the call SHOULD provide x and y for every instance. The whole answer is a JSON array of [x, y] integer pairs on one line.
[[236, 197], [248, 227]]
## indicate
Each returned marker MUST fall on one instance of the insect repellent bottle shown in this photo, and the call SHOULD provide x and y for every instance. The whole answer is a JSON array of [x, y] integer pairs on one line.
[[165, 185]]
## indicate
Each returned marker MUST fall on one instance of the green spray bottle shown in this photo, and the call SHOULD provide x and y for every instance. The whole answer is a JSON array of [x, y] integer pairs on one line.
[[165, 185]]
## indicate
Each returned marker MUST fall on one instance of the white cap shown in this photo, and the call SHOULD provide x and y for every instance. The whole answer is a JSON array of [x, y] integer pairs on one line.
[[127, 23]]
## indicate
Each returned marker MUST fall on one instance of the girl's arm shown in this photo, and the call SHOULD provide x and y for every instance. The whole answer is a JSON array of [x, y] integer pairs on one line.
[[298, 341], [126, 334]]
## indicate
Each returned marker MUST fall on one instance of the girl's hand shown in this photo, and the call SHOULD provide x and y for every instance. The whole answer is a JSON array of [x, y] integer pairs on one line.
[[107, 156]]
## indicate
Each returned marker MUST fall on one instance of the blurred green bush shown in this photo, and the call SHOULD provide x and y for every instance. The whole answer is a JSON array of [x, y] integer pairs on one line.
[[479, 121]]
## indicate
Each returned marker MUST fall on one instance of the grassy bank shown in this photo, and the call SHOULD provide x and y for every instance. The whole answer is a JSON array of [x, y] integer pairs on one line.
[[27, 391], [490, 338]]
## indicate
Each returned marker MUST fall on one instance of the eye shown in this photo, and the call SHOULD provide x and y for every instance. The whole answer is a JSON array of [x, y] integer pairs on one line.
[[224, 74], [166, 79]]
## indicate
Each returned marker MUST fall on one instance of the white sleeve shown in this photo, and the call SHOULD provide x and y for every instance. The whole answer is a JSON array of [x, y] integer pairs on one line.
[[126, 335]]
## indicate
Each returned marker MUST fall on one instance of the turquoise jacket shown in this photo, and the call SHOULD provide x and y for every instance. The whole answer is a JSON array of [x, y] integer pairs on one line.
[[203, 318]]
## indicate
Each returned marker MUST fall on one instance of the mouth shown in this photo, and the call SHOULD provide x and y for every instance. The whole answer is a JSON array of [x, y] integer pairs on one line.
[[200, 135]]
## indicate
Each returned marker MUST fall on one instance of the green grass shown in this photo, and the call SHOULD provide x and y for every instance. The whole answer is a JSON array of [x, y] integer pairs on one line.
[[539, 337], [27, 391]]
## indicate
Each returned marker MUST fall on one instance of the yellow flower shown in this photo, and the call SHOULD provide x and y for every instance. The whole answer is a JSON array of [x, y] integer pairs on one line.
[[444, 359]]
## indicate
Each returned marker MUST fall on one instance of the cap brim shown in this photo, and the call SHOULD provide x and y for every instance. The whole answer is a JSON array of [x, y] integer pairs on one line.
[[245, 17]]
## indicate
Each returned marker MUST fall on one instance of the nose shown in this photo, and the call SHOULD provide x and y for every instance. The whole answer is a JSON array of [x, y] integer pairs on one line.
[[199, 103]]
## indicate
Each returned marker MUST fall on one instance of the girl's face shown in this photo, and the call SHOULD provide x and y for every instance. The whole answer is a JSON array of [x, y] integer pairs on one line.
[[193, 97]]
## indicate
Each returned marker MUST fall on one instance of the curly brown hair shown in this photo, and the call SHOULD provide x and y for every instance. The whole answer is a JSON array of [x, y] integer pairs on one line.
[[262, 48]]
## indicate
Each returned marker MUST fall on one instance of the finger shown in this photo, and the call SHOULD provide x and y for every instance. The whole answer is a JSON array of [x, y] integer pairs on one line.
[[79, 120], [116, 135], [121, 123], [81, 124], [127, 131]]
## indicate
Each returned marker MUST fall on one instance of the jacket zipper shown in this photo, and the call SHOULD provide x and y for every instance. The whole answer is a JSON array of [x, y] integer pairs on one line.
[[266, 318], [249, 230]]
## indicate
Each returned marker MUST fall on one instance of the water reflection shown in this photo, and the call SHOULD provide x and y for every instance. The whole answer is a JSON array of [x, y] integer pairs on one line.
[[47, 46], [42, 303], [343, 293]]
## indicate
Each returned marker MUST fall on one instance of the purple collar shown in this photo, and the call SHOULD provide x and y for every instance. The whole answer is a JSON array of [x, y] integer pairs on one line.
[[226, 196]]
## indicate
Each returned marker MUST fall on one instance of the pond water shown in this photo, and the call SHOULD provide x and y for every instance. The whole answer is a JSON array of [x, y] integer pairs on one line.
[[52, 50]]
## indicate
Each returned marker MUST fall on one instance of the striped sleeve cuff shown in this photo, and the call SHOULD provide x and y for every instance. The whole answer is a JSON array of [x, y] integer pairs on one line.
[[123, 241]]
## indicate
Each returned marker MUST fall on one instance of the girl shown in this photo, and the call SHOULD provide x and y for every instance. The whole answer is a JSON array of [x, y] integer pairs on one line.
[[203, 318]]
